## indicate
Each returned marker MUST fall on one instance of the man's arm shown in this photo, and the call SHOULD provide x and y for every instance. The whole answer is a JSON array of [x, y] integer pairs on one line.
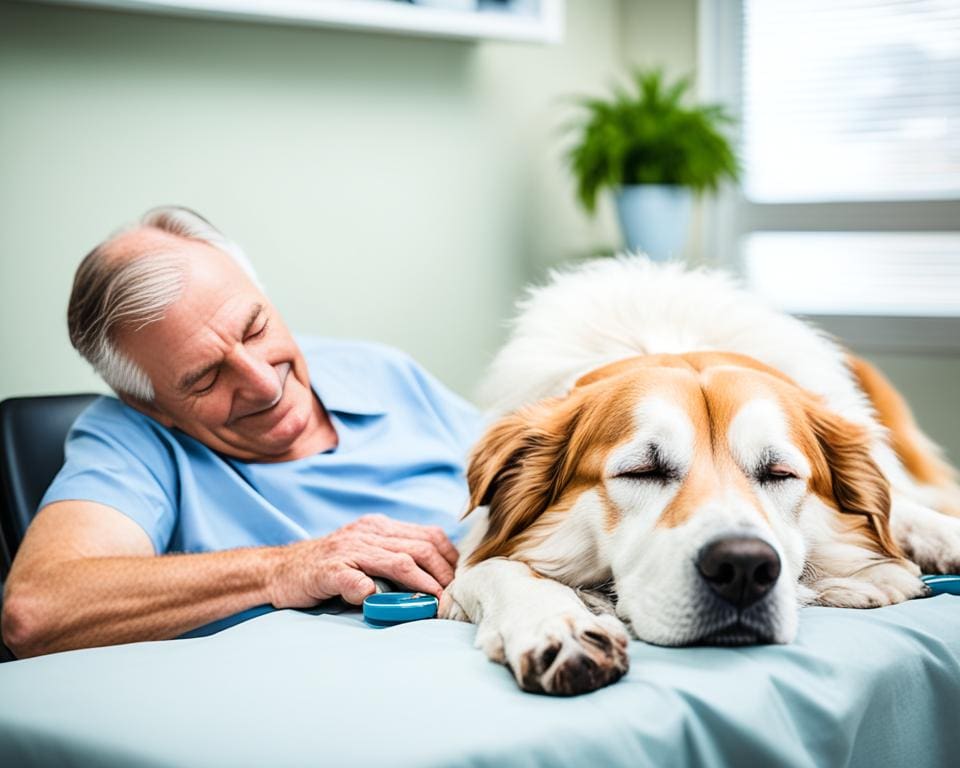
[[87, 575]]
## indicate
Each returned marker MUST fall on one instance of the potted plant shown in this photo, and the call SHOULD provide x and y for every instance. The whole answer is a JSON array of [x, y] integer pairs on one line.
[[654, 153]]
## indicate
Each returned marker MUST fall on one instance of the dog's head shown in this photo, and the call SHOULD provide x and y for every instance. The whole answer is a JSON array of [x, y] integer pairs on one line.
[[692, 481]]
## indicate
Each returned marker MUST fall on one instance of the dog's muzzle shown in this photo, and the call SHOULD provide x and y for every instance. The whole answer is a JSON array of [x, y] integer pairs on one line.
[[740, 570]]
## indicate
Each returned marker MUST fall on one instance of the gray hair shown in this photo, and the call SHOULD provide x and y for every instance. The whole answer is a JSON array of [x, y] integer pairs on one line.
[[113, 293]]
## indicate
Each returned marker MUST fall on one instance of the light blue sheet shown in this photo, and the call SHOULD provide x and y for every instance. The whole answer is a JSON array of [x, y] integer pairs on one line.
[[861, 688]]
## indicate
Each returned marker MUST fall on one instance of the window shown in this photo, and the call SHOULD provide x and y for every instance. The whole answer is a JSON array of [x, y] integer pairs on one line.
[[850, 138], [851, 99]]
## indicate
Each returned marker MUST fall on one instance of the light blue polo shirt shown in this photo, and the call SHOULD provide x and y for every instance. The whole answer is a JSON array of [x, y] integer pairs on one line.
[[403, 441]]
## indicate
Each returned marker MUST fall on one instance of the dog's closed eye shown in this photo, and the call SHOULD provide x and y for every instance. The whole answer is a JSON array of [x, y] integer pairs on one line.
[[775, 473], [651, 466], [653, 473]]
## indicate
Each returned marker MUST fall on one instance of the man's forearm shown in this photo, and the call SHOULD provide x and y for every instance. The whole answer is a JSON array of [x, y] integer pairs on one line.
[[68, 595], [107, 600]]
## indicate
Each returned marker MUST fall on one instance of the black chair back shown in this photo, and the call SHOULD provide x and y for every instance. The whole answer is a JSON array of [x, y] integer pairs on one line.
[[32, 433]]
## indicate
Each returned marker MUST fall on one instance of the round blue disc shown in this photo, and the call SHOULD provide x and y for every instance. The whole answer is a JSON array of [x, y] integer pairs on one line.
[[387, 608], [943, 583]]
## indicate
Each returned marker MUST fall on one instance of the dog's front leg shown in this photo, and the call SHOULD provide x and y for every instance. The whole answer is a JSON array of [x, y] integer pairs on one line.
[[537, 627]]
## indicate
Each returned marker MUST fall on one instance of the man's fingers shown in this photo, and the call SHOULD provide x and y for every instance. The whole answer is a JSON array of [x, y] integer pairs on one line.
[[387, 526], [444, 545], [401, 569], [424, 553], [418, 557], [354, 585]]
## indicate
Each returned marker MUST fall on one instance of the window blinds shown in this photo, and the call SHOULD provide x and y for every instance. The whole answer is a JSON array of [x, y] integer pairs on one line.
[[888, 274], [851, 100]]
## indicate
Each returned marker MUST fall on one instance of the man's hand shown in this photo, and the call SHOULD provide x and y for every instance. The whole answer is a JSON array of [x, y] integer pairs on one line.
[[418, 557]]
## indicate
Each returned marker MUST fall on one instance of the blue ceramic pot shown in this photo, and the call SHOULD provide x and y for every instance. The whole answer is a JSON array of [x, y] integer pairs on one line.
[[655, 218]]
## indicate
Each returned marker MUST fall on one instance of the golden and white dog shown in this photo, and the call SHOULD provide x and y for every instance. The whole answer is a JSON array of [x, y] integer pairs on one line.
[[673, 458]]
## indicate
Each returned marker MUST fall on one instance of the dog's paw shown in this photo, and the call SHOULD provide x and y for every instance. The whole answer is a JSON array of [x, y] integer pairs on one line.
[[566, 655], [490, 641], [449, 608], [931, 540], [877, 586]]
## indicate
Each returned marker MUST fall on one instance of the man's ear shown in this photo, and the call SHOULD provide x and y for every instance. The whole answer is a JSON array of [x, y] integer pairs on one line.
[[852, 478], [146, 408], [518, 469]]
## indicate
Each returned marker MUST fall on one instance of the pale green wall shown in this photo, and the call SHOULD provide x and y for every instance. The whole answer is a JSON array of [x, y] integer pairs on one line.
[[386, 187], [660, 34]]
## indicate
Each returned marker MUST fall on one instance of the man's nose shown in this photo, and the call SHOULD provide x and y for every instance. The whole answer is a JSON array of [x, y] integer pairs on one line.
[[739, 569], [259, 381]]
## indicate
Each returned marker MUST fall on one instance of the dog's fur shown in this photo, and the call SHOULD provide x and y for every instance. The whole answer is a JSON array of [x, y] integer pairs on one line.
[[645, 412]]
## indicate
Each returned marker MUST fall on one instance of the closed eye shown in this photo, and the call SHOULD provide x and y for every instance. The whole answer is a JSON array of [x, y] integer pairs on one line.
[[659, 473], [775, 473], [259, 333], [206, 389]]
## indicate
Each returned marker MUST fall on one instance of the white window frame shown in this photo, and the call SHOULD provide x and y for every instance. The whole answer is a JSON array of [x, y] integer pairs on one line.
[[730, 216]]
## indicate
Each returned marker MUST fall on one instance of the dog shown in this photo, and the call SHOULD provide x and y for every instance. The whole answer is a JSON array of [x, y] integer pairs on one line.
[[670, 459]]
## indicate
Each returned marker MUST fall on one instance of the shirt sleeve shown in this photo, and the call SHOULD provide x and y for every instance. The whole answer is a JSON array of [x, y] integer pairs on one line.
[[117, 457]]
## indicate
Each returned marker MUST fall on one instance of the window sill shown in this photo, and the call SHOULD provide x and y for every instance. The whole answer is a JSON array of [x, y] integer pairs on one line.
[[901, 334]]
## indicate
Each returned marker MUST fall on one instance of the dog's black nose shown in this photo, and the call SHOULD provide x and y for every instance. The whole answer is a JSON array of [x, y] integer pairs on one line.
[[739, 569]]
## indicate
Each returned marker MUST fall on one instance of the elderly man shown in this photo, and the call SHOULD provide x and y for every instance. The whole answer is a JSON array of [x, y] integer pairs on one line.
[[283, 474]]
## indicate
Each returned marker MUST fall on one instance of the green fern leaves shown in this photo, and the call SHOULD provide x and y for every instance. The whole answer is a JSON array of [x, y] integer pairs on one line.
[[645, 135]]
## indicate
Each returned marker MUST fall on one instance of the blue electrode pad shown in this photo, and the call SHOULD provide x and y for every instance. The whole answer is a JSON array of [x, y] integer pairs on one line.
[[388, 608], [943, 583]]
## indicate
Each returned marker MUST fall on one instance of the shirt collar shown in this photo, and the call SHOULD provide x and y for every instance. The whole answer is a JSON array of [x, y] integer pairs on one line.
[[342, 393]]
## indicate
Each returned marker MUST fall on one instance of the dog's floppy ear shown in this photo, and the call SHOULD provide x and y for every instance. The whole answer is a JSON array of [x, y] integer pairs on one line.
[[851, 477], [519, 468]]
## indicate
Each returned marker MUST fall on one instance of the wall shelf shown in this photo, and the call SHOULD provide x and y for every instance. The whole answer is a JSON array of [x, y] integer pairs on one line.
[[539, 21]]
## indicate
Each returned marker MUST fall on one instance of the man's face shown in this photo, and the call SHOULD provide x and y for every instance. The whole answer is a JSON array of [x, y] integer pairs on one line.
[[224, 367]]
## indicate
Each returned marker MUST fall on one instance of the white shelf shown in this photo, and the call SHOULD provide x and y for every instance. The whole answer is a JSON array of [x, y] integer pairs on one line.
[[539, 21]]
